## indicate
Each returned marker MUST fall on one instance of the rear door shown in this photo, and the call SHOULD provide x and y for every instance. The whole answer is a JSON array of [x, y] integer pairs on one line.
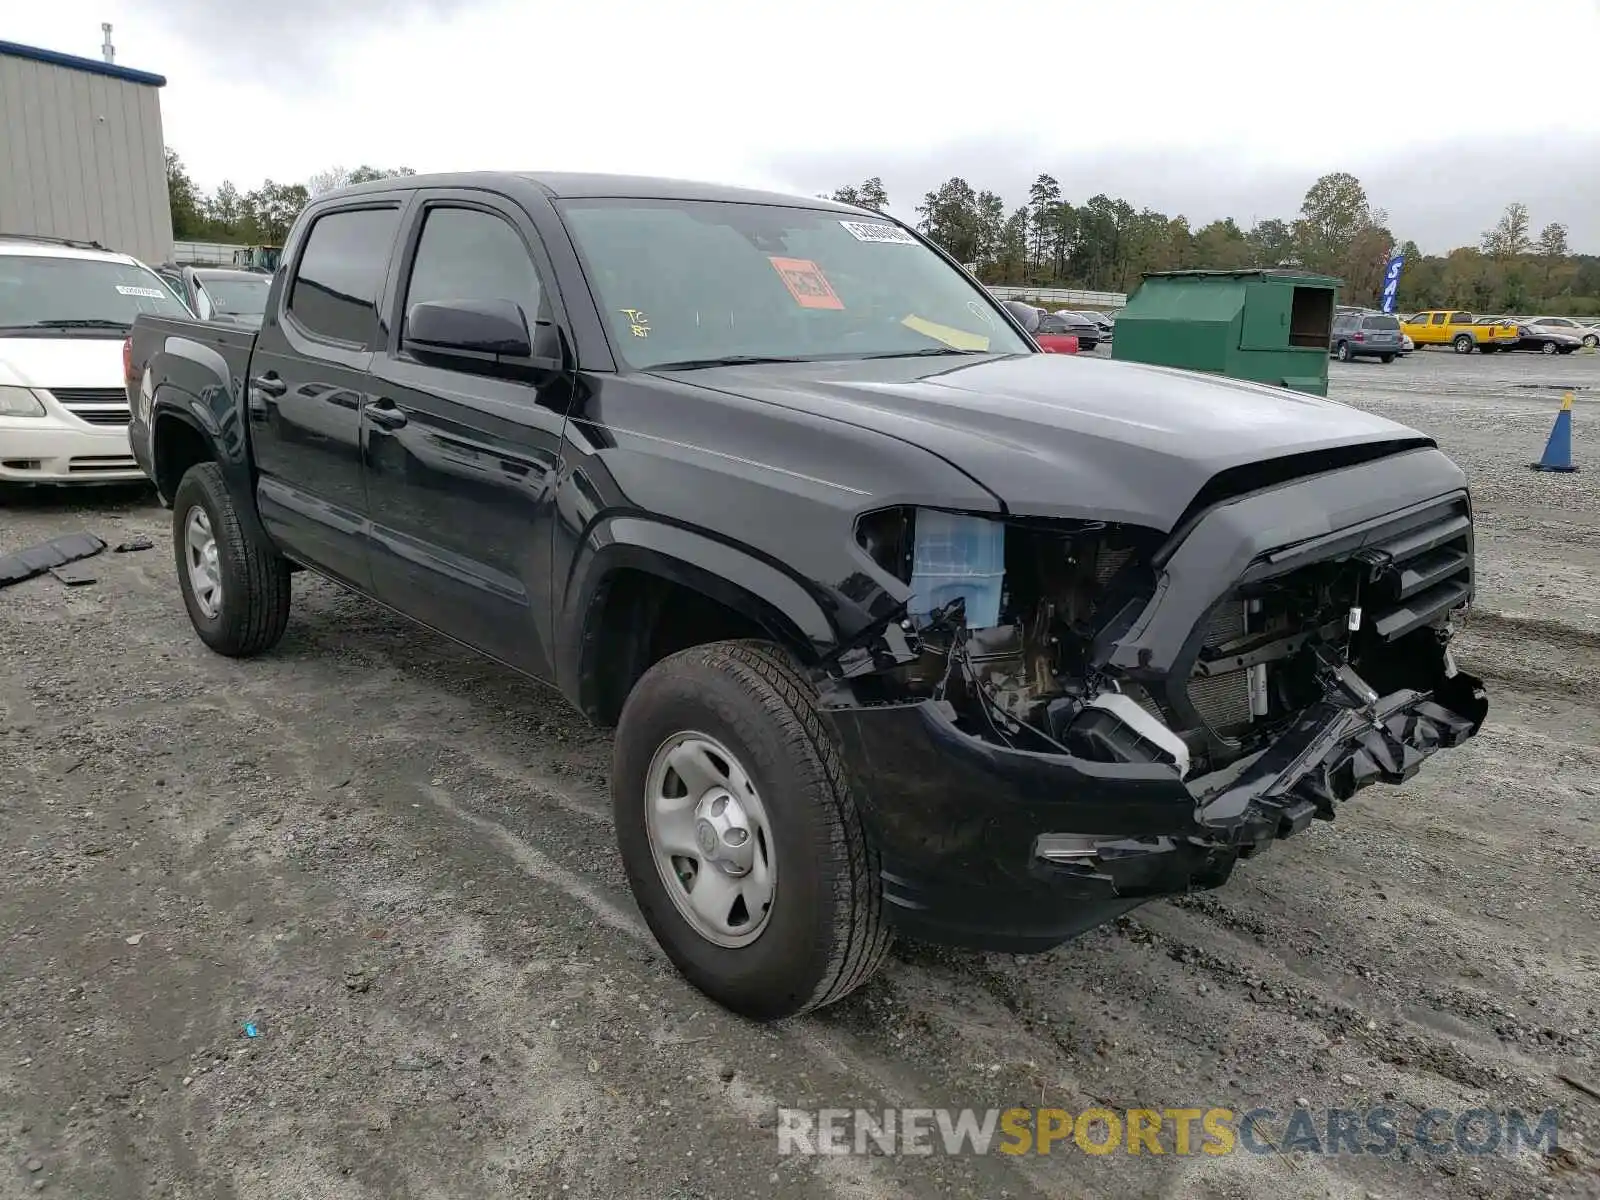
[[461, 461], [1380, 333], [308, 381]]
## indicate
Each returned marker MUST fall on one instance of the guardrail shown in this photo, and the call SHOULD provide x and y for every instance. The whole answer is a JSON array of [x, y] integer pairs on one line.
[[1061, 296]]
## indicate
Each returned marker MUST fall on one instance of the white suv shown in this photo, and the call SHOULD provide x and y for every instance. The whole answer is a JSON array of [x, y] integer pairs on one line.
[[65, 308]]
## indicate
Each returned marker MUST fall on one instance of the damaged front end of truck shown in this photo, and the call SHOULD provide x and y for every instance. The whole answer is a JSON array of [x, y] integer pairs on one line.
[[1071, 716]]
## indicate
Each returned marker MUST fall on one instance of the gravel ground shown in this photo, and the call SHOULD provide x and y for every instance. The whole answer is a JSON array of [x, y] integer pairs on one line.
[[395, 861]]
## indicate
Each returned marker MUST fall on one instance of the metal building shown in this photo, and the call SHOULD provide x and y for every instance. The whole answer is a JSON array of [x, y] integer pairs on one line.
[[81, 153]]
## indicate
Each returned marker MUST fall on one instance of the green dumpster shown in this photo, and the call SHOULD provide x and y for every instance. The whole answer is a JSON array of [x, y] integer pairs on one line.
[[1272, 326]]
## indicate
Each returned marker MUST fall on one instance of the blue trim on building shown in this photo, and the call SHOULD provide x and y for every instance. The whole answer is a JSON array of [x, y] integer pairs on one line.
[[93, 65]]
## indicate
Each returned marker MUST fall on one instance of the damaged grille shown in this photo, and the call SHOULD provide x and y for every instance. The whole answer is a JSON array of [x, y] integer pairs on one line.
[[1387, 582], [1420, 572]]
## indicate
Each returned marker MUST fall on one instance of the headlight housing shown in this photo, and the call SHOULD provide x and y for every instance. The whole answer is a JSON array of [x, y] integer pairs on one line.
[[19, 402], [943, 556]]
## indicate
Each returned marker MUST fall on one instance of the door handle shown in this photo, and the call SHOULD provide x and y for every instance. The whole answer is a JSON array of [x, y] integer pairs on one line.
[[269, 384], [385, 415]]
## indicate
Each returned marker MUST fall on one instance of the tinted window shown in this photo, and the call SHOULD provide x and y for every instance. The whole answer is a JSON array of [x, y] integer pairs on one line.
[[1388, 323], [1460, 318], [465, 254], [1052, 323], [1437, 318], [341, 271]]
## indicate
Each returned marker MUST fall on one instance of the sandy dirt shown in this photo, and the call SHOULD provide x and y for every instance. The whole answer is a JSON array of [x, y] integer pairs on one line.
[[395, 862]]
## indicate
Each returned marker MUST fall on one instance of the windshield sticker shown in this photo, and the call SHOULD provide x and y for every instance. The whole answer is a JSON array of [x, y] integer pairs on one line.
[[878, 231], [956, 339], [638, 323], [976, 309], [806, 282], [153, 293]]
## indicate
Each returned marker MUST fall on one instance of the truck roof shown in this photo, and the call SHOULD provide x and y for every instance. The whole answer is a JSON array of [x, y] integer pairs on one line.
[[574, 185]]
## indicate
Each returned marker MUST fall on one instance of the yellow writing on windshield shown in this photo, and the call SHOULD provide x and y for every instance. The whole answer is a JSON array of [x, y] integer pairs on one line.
[[956, 339]]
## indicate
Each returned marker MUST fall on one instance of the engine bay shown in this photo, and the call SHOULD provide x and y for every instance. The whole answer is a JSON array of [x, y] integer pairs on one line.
[[1034, 672]]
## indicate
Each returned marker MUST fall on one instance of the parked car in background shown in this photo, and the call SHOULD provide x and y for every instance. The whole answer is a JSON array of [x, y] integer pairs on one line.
[[1459, 330], [1546, 339], [220, 293], [1588, 335], [1078, 325], [65, 308], [1406, 344], [1055, 335], [1101, 321], [1362, 334]]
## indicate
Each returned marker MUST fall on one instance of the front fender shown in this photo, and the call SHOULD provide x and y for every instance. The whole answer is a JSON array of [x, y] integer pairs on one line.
[[790, 610]]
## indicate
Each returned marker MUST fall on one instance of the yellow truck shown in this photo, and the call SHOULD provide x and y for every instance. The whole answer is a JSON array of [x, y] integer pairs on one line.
[[1458, 330]]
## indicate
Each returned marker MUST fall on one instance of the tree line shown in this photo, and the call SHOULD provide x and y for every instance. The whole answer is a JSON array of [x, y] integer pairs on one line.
[[1102, 245], [1106, 244], [260, 217]]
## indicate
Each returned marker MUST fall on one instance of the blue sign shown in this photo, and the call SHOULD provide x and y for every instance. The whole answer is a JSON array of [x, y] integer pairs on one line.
[[1391, 281]]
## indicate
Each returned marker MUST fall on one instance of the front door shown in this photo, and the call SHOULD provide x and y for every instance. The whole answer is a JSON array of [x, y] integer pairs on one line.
[[461, 461], [308, 378]]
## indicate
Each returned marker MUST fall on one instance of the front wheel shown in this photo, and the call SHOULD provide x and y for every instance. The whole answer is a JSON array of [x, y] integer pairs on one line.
[[739, 834], [1463, 343], [1591, 340], [235, 586]]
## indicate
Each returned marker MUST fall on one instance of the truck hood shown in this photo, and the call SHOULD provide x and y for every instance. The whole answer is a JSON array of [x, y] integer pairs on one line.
[[64, 362], [1058, 436]]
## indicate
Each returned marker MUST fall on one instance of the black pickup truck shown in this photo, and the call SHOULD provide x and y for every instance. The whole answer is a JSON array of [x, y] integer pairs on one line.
[[901, 622]]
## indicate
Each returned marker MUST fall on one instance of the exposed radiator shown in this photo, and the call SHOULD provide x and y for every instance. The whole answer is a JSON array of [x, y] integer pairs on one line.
[[1223, 700]]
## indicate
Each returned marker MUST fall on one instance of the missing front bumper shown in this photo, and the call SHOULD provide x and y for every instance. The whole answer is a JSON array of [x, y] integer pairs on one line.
[[1008, 849]]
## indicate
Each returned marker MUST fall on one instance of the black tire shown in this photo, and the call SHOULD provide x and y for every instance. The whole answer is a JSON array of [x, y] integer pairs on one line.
[[1463, 343], [1387, 358], [825, 934], [254, 607], [1342, 351], [1488, 349], [1549, 348], [1591, 340]]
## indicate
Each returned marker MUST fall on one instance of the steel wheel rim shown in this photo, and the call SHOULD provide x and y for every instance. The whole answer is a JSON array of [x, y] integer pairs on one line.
[[200, 555], [711, 840]]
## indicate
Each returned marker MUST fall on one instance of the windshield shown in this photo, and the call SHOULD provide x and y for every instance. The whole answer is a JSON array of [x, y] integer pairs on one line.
[[240, 295], [41, 292], [699, 281]]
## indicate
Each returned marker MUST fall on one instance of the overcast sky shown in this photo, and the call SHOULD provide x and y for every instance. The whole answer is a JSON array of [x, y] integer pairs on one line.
[[1209, 109]]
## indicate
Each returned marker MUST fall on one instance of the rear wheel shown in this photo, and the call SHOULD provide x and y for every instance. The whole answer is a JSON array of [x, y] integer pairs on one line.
[[1462, 343], [740, 836], [1388, 358], [1549, 348], [1342, 352], [235, 586], [1591, 340]]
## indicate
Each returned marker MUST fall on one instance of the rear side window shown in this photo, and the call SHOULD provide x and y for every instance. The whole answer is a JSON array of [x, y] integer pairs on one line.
[[1388, 323], [1460, 318], [341, 271]]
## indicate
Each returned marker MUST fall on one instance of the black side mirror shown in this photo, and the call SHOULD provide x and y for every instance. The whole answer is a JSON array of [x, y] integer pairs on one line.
[[473, 328], [1026, 314]]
